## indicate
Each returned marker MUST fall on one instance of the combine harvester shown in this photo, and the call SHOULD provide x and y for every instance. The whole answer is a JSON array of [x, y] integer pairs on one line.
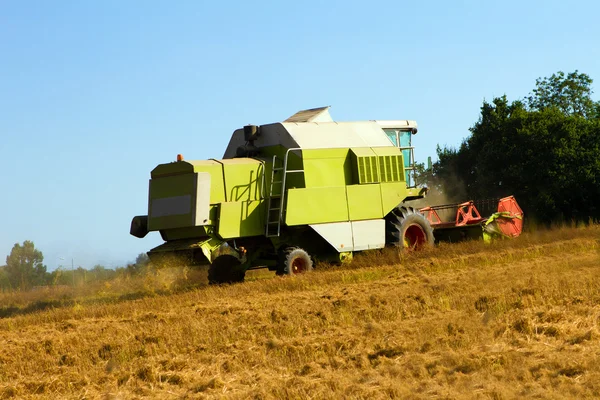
[[287, 193]]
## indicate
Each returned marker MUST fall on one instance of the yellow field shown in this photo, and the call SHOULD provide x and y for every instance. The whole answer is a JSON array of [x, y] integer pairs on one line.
[[509, 320]]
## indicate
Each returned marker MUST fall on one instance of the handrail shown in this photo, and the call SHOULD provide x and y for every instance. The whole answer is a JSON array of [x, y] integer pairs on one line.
[[411, 166], [284, 179]]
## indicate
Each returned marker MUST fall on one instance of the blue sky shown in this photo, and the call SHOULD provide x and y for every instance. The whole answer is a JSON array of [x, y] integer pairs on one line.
[[93, 95]]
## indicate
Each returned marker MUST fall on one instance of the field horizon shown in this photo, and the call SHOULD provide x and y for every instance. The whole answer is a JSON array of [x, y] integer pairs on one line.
[[511, 319]]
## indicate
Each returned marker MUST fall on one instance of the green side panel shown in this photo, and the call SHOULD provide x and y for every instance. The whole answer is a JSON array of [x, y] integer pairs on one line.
[[390, 163], [364, 202], [215, 169], [185, 233], [181, 186], [316, 205], [294, 180], [297, 179], [241, 219], [327, 167], [243, 179], [392, 194], [217, 186], [364, 165], [377, 164]]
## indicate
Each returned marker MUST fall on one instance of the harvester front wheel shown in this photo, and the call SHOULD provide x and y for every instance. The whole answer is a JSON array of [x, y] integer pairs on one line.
[[225, 269], [297, 261], [408, 228]]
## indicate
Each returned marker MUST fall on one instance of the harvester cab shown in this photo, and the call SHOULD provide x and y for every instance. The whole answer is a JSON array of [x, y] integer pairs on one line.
[[287, 193]]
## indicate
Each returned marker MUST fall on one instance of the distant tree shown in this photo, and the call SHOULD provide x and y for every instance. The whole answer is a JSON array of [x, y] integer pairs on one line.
[[141, 265], [142, 259], [571, 94], [100, 273], [4, 281], [80, 275], [24, 266], [60, 276]]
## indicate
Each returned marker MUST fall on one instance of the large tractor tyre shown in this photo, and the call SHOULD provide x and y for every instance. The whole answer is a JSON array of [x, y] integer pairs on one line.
[[225, 269], [408, 228], [281, 257], [297, 261]]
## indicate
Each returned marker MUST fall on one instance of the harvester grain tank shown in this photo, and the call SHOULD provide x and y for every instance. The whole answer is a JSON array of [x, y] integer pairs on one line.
[[287, 193]]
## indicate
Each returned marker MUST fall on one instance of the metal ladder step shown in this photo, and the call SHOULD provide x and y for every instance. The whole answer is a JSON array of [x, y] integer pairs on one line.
[[274, 206]]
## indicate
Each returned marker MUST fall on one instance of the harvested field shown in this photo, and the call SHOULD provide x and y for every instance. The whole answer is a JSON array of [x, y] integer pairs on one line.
[[507, 320]]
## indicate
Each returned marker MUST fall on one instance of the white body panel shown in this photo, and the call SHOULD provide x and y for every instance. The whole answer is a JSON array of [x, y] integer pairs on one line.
[[202, 198], [337, 234], [368, 234], [330, 135], [400, 124], [353, 236], [314, 129]]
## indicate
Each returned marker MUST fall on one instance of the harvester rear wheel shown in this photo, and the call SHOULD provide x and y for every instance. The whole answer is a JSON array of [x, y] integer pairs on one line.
[[297, 261], [408, 228], [225, 269]]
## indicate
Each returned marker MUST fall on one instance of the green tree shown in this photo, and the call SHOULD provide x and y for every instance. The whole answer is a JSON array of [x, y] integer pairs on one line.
[[547, 155], [571, 94], [4, 281], [141, 265], [142, 260], [24, 266], [101, 273]]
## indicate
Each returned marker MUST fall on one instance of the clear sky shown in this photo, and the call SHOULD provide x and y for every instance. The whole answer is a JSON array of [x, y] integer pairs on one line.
[[93, 95]]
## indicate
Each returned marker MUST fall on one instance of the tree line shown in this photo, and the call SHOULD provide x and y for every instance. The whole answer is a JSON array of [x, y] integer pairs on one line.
[[544, 149], [25, 269]]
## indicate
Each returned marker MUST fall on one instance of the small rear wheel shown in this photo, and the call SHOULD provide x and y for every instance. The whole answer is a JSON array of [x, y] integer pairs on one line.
[[225, 269], [297, 261]]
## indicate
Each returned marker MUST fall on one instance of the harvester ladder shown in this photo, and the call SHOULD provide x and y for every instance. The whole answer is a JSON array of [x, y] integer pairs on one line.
[[276, 201]]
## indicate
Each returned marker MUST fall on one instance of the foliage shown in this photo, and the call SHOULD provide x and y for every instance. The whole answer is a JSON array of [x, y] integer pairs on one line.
[[4, 281], [547, 154], [24, 266], [570, 94], [140, 266], [100, 273]]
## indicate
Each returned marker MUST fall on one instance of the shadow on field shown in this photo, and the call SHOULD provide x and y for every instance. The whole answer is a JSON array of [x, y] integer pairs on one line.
[[24, 303], [11, 311], [44, 305]]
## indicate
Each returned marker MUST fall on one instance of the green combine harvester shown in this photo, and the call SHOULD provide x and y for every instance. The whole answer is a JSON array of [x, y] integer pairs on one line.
[[288, 193]]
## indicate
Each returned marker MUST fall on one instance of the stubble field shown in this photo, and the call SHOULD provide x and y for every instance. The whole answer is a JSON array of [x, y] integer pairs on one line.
[[508, 320]]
